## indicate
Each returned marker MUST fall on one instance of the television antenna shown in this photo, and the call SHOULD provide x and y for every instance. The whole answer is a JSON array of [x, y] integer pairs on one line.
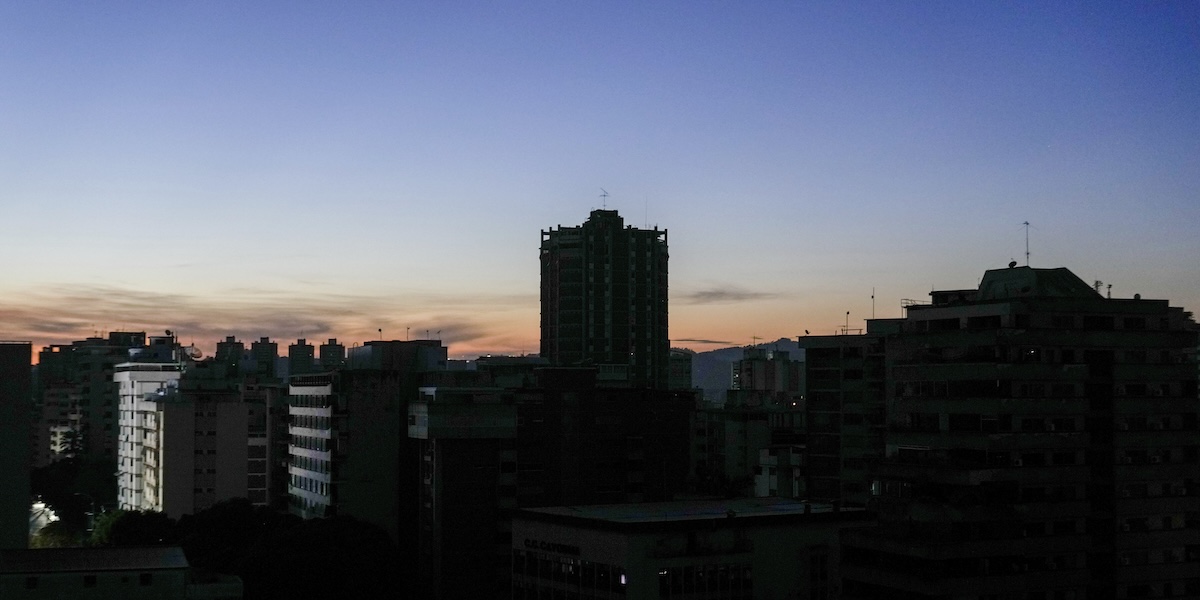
[[1026, 225], [604, 202]]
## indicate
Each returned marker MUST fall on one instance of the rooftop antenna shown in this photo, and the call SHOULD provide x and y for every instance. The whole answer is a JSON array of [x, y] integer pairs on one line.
[[1026, 225], [604, 202], [1110, 291], [872, 303]]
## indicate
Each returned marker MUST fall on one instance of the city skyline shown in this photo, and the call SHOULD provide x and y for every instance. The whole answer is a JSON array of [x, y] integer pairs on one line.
[[313, 171]]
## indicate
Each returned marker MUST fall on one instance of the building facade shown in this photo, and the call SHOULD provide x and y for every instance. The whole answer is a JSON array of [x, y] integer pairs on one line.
[[604, 299], [130, 573], [204, 438], [348, 452], [140, 384], [77, 397], [739, 549], [562, 438], [844, 413], [1041, 443]]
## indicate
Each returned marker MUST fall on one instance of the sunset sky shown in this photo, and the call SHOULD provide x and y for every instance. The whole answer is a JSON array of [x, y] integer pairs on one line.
[[294, 169]]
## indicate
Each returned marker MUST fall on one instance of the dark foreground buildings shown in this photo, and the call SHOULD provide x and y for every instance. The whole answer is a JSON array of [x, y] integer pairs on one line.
[[560, 437], [16, 402], [1042, 442], [728, 549], [349, 454]]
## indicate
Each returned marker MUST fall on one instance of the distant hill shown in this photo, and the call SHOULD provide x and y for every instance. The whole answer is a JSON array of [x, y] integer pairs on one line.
[[711, 369]]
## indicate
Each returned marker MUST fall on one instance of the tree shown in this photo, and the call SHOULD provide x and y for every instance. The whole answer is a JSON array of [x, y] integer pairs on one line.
[[133, 528], [219, 537], [58, 534], [337, 557]]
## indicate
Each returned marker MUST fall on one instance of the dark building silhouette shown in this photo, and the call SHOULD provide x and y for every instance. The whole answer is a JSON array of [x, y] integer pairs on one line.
[[727, 549], [16, 401], [77, 402], [230, 353], [349, 454], [679, 369], [333, 355], [563, 438], [844, 416], [1041, 443], [301, 358], [604, 299], [763, 410], [265, 354]]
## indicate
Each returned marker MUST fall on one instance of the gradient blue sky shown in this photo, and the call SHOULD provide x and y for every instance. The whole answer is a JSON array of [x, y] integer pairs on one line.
[[328, 169]]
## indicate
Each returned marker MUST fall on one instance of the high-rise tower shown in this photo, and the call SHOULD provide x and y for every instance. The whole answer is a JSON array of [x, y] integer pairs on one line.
[[604, 299]]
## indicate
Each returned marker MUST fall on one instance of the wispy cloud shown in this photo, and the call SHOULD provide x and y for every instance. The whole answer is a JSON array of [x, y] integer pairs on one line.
[[725, 295], [696, 341], [56, 314]]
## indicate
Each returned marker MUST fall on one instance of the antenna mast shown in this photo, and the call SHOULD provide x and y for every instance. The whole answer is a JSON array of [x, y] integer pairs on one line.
[[604, 202], [1026, 224]]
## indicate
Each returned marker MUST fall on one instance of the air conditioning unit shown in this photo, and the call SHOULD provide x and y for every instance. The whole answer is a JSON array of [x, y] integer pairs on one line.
[[1156, 425], [1123, 426], [1049, 426], [1156, 459], [1126, 494], [1127, 460], [1017, 462], [1124, 526]]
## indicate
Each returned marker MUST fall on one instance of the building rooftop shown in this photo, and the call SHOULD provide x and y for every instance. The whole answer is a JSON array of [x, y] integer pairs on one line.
[[690, 510], [1016, 282], [72, 560]]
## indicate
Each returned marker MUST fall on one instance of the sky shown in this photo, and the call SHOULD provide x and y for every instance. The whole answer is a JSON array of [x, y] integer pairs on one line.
[[320, 169]]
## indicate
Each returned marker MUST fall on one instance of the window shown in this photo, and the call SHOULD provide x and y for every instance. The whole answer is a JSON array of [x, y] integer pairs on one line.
[[89, 581], [31, 583], [1134, 323], [1062, 321], [145, 579]]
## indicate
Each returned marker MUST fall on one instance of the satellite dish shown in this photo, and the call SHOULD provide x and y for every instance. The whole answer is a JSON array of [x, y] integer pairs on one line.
[[193, 352]]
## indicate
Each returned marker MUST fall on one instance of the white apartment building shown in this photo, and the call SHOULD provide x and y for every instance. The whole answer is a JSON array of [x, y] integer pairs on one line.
[[189, 442], [139, 384], [310, 452]]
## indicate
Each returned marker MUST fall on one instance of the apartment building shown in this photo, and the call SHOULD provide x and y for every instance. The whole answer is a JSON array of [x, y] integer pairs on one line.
[[1041, 443], [562, 436], [735, 549], [604, 299]]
